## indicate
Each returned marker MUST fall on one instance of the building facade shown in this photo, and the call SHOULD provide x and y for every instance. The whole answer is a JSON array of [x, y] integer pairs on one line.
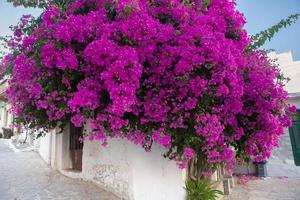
[[282, 162], [6, 118]]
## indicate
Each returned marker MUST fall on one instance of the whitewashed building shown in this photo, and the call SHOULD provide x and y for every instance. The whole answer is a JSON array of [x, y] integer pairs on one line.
[[282, 162], [6, 118], [123, 168]]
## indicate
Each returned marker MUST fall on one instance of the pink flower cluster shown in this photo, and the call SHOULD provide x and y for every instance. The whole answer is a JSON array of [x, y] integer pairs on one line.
[[177, 74]]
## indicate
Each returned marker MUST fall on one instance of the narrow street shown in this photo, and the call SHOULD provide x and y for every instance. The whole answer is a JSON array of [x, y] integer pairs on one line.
[[24, 176], [271, 188]]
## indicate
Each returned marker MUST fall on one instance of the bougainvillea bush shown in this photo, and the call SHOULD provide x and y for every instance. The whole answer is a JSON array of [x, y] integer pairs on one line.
[[176, 73]]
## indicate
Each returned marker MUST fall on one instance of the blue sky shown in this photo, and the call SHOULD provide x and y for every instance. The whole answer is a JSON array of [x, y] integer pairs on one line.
[[260, 14], [10, 15]]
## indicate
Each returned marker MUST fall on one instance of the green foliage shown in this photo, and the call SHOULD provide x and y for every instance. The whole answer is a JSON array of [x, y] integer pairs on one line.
[[38, 3], [201, 190], [3, 46], [262, 37], [29, 3], [62, 4], [205, 3]]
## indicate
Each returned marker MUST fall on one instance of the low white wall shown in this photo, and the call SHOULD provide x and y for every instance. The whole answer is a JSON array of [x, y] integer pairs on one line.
[[6, 117], [122, 167], [62, 159], [54, 149], [44, 147], [131, 173]]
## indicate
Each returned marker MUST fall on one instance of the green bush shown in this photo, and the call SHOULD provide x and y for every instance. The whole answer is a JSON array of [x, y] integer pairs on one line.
[[201, 190]]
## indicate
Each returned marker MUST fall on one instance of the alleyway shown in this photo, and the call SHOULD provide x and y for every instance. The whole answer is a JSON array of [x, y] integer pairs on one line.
[[24, 176], [272, 188]]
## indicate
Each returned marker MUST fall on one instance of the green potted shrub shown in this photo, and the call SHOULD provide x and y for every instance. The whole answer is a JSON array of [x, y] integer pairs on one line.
[[201, 190]]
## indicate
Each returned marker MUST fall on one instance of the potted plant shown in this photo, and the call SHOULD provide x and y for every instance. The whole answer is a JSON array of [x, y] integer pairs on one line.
[[261, 168]]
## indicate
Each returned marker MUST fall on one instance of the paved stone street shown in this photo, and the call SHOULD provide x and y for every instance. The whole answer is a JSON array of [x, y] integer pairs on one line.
[[272, 188], [24, 176]]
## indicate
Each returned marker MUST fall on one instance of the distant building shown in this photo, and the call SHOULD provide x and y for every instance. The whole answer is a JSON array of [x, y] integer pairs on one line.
[[6, 118]]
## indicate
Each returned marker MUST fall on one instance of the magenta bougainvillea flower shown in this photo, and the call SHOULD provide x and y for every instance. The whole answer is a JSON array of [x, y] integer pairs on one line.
[[176, 73]]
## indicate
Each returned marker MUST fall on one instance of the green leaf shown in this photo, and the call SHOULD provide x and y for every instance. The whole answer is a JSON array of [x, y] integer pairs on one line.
[[29, 3]]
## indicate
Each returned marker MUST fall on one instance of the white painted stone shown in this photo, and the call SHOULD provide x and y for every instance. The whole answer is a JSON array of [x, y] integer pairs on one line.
[[131, 173]]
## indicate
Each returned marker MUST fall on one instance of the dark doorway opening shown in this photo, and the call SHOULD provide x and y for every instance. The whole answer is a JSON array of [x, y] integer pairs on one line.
[[295, 138], [76, 147]]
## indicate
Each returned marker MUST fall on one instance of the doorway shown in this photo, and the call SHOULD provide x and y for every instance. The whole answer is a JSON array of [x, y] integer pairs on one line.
[[295, 138], [76, 147]]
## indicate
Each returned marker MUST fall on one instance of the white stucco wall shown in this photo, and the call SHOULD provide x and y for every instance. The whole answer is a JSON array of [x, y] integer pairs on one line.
[[2, 114], [290, 69], [44, 147], [53, 147], [122, 167], [281, 162], [10, 118], [131, 173], [61, 154], [5, 117]]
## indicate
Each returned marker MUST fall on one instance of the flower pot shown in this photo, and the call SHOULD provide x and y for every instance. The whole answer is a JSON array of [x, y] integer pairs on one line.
[[261, 169]]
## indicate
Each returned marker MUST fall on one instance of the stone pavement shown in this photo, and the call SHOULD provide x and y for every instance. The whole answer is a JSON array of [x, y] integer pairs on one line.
[[24, 176], [271, 188]]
